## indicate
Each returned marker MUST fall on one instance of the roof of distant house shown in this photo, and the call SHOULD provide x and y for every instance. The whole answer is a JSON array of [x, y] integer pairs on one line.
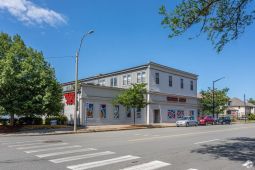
[[238, 102]]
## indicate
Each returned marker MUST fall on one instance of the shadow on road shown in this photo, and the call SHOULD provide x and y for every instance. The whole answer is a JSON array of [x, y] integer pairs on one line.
[[235, 149]]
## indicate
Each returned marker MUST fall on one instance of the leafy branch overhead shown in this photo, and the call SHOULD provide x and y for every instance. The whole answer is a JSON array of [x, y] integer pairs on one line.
[[222, 20]]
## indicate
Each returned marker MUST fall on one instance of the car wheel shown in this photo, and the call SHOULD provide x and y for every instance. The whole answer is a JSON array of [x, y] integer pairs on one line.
[[196, 124], [187, 124], [206, 124]]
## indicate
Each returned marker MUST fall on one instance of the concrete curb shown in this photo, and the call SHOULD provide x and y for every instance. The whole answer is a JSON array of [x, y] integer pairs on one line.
[[84, 131]]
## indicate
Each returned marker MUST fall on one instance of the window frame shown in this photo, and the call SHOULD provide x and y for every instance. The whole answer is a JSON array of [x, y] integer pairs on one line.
[[139, 77], [170, 81], [157, 78], [182, 83], [191, 85]]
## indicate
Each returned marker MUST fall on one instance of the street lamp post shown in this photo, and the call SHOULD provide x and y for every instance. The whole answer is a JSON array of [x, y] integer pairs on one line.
[[214, 96], [76, 80]]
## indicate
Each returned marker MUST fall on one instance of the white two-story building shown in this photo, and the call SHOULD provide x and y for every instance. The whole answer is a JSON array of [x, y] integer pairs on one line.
[[172, 94]]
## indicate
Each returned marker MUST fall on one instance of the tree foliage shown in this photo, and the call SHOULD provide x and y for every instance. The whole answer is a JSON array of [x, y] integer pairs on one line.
[[220, 98], [252, 101], [133, 97], [222, 20], [27, 82]]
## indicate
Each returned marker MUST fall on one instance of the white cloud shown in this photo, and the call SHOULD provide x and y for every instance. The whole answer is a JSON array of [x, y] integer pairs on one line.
[[31, 13]]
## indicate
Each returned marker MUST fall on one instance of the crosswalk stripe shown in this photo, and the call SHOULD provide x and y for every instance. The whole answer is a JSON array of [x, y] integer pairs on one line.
[[55, 148], [65, 152], [20, 142], [27, 144], [42, 146], [148, 166], [102, 163], [78, 157]]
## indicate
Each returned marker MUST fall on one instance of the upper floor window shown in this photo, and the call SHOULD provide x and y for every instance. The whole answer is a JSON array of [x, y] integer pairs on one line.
[[114, 81], [170, 81], [157, 78], [191, 85], [102, 82], [143, 77], [139, 77], [124, 80], [182, 84], [128, 79]]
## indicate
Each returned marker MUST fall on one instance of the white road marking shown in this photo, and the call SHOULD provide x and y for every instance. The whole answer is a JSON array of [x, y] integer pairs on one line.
[[19, 142], [42, 146], [49, 149], [78, 157], [188, 134], [148, 166], [213, 140], [65, 152], [102, 163], [248, 164], [192, 169], [27, 144]]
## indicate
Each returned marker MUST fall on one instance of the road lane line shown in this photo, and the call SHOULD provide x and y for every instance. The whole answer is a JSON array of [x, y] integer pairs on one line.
[[102, 163], [20, 142], [50, 149], [192, 169], [148, 166], [78, 157], [207, 141], [27, 144], [42, 146], [187, 134], [65, 152]]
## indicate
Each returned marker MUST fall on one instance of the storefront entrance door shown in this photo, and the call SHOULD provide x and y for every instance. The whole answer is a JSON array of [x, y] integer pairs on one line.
[[156, 116]]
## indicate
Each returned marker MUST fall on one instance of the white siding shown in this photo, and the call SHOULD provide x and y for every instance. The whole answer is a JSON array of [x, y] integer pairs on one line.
[[164, 87]]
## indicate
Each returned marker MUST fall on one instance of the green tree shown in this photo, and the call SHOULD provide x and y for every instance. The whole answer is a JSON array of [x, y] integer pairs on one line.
[[220, 98], [133, 97], [222, 20], [27, 82], [252, 101]]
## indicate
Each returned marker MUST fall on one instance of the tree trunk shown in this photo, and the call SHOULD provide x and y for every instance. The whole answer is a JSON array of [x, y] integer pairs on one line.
[[134, 116], [12, 119]]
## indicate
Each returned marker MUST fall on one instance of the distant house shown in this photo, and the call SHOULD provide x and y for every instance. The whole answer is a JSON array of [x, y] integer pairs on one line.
[[236, 108]]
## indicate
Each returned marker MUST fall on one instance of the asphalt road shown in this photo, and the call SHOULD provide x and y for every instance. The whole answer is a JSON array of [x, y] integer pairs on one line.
[[226, 147]]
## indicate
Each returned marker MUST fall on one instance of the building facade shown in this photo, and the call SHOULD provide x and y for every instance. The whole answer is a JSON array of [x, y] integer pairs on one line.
[[171, 95], [237, 108]]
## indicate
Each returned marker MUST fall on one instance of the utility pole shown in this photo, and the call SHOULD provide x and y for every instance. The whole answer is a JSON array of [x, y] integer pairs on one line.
[[245, 107], [76, 81], [213, 92]]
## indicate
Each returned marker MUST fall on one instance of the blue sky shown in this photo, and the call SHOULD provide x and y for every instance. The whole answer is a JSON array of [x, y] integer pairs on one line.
[[127, 33]]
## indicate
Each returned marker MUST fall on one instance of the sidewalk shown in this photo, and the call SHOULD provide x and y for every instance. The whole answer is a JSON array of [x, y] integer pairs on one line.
[[89, 129]]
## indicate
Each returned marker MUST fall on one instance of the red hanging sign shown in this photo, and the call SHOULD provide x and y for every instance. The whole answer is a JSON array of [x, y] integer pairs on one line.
[[69, 98]]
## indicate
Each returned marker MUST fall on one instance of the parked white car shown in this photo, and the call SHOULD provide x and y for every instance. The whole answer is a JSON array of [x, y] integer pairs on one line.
[[186, 121]]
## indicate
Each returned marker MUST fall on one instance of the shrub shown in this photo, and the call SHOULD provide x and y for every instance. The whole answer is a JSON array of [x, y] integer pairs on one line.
[[61, 119], [30, 121], [4, 121], [251, 116]]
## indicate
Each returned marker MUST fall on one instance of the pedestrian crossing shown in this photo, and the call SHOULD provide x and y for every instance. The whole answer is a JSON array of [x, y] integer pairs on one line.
[[76, 157]]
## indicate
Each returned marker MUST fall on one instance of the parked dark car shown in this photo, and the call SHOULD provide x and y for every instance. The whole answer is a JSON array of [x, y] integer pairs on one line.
[[206, 120], [223, 120]]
